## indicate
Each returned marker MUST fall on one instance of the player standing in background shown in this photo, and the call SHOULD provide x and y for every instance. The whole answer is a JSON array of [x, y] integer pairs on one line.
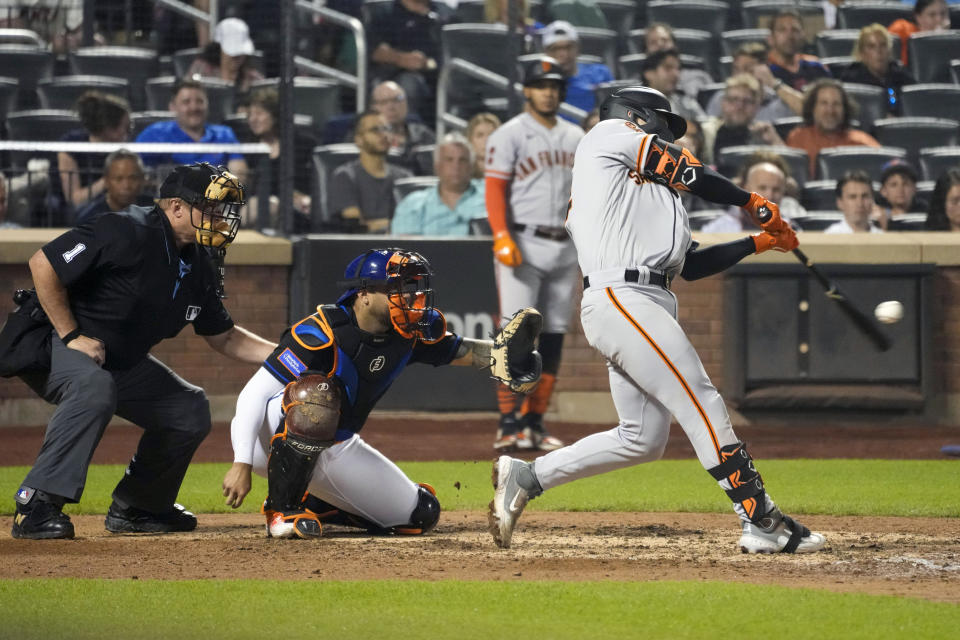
[[632, 238], [528, 173]]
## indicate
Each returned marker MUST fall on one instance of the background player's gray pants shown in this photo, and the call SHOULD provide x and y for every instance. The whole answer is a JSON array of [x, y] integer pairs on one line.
[[174, 414]]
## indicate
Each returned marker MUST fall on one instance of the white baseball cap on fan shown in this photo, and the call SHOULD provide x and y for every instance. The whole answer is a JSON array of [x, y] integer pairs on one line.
[[234, 37]]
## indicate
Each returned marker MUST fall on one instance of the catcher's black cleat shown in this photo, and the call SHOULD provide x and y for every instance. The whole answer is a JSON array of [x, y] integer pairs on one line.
[[41, 521], [132, 520]]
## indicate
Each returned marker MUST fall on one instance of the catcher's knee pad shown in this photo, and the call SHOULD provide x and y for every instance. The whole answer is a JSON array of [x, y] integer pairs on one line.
[[425, 515], [311, 406], [746, 485], [551, 347]]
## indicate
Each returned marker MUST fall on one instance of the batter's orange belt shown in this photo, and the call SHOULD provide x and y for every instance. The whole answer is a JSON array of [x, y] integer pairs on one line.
[[558, 234], [657, 278]]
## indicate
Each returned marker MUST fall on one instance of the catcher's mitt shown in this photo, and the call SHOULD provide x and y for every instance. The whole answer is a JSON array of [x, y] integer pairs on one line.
[[514, 359]]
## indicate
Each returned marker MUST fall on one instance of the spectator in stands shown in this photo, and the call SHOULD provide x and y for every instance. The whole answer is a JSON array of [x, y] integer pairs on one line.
[[779, 99], [479, 129], [405, 47], [105, 118], [593, 118], [228, 56], [447, 208], [496, 11], [827, 111], [898, 193], [855, 201], [658, 36], [944, 211], [124, 180], [928, 15], [765, 173], [787, 40], [738, 125], [661, 71], [361, 192], [875, 65], [389, 100], [189, 104], [263, 118], [561, 41]]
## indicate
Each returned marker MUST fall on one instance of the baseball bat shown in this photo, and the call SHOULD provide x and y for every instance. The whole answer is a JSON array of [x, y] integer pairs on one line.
[[859, 318]]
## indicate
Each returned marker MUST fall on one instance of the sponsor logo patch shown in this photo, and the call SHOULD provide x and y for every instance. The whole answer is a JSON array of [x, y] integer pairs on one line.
[[291, 362], [73, 253], [192, 312], [377, 363], [24, 494]]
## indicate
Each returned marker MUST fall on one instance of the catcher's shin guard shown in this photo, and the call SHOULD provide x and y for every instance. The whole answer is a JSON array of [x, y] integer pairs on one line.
[[425, 515], [746, 485]]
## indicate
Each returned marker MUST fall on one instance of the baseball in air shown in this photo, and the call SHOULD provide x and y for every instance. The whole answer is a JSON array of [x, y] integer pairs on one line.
[[889, 312]]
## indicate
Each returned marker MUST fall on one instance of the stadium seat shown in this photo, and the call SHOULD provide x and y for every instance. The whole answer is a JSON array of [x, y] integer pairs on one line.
[[470, 11], [603, 90], [61, 92], [372, 9], [405, 186], [931, 100], [935, 160], [785, 125], [759, 13], [318, 98], [133, 63], [619, 14], [837, 65], [485, 45], [8, 96], [871, 103], [219, 96], [730, 41], [27, 64], [183, 58], [631, 65], [833, 162], [599, 42], [907, 222], [955, 71], [140, 120], [706, 15], [860, 14], [931, 53], [954, 16], [819, 194], [707, 91], [325, 159], [44, 125], [914, 134], [834, 43], [241, 128], [925, 189], [21, 36], [423, 159], [733, 157], [817, 220]]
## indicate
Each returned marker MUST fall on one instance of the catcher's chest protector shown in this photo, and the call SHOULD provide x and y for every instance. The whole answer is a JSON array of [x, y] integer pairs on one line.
[[366, 364]]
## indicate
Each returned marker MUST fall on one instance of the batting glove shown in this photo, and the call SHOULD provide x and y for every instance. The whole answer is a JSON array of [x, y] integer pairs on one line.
[[785, 240], [765, 214], [505, 250]]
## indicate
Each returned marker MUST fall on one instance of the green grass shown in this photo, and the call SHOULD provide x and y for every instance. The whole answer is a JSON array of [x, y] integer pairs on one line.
[[58, 608], [834, 487]]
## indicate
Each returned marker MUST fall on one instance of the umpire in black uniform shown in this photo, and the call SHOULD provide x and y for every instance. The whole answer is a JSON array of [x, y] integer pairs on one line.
[[111, 289]]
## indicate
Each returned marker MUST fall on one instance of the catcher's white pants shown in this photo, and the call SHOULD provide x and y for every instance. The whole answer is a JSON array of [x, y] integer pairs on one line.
[[545, 281], [351, 475], [654, 372]]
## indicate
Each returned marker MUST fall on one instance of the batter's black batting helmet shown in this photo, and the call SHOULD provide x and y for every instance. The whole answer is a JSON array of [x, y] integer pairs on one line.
[[543, 68], [629, 103]]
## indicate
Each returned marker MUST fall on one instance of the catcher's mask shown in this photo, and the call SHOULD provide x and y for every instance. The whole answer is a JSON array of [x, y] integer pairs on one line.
[[405, 277], [213, 191], [649, 105]]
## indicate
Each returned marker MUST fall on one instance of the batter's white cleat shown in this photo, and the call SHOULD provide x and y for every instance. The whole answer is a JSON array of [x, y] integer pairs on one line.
[[778, 533], [300, 524], [509, 499]]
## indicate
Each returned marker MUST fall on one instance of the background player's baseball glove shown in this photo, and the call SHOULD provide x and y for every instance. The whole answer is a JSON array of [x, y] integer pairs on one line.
[[514, 359]]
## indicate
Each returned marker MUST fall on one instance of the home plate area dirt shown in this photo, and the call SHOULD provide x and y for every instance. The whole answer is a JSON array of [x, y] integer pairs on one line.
[[917, 557]]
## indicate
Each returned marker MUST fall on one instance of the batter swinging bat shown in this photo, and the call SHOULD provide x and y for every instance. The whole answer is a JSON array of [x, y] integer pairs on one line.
[[859, 318]]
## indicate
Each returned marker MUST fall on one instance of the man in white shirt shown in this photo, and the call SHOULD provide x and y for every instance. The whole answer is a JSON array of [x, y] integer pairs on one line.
[[769, 180], [855, 201]]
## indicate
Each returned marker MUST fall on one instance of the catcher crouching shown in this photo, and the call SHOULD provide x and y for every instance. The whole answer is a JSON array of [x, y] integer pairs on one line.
[[299, 417]]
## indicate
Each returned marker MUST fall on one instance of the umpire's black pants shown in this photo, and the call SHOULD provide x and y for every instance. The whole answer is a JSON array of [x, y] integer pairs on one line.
[[174, 414]]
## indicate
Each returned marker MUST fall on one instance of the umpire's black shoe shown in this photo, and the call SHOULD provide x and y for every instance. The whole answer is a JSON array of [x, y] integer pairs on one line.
[[41, 521], [132, 520]]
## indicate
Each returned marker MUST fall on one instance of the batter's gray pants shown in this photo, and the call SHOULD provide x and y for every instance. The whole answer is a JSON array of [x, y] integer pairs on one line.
[[174, 414]]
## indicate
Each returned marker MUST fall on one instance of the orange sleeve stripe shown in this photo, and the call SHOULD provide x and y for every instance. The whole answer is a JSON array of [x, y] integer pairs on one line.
[[643, 148], [495, 193], [670, 365]]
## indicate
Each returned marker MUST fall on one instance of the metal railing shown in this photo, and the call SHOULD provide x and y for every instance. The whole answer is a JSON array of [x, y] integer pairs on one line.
[[459, 65], [357, 81]]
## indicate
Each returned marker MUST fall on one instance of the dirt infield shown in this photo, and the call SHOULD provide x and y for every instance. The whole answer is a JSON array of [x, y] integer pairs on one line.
[[918, 557]]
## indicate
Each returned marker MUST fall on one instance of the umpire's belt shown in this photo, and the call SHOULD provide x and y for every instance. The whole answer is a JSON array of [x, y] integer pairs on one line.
[[643, 275], [558, 234]]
